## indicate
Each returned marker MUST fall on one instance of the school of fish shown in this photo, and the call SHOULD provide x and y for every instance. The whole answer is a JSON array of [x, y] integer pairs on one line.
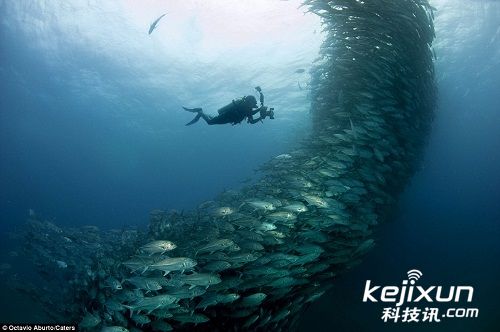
[[254, 259]]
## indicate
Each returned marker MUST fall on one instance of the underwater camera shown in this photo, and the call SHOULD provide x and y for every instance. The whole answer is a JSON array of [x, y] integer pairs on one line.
[[271, 113]]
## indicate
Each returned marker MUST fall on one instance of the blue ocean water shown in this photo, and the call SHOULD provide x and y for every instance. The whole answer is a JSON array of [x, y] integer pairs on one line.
[[92, 131], [92, 125]]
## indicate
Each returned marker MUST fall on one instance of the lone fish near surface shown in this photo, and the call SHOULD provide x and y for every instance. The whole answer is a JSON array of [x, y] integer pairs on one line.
[[155, 24]]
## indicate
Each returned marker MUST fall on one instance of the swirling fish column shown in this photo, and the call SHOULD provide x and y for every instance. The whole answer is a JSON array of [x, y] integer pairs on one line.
[[312, 215]]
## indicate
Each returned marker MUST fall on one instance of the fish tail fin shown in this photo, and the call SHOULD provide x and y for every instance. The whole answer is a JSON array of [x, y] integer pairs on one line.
[[130, 309]]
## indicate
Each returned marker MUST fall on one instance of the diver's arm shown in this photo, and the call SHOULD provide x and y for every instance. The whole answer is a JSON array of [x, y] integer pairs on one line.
[[252, 120], [260, 109], [261, 95], [262, 116]]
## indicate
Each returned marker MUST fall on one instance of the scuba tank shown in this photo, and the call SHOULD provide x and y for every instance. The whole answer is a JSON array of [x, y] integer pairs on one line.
[[229, 107]]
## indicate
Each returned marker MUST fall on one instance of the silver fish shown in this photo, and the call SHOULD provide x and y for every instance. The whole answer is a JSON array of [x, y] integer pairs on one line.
[[200, 279], [217, 245], [149, 304], [158, 247], [168, 265]]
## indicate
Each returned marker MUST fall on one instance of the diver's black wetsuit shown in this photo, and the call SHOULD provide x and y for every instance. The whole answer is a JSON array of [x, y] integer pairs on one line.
[[233, 113]]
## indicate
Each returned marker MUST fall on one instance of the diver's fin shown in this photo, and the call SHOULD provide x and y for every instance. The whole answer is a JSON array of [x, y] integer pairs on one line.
[[194, 110], [196, 118]]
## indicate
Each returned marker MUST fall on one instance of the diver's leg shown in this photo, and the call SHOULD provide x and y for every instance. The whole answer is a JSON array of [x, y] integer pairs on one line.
[[209, 119], [219, 119]]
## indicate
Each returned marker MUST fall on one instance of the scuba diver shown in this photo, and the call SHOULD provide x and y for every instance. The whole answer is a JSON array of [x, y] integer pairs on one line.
[[236, 111]]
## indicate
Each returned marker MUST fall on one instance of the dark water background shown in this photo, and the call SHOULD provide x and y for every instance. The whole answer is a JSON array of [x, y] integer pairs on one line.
[[90, 137]]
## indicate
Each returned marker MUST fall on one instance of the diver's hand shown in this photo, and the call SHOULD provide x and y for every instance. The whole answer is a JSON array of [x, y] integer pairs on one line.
[[263, 112]]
